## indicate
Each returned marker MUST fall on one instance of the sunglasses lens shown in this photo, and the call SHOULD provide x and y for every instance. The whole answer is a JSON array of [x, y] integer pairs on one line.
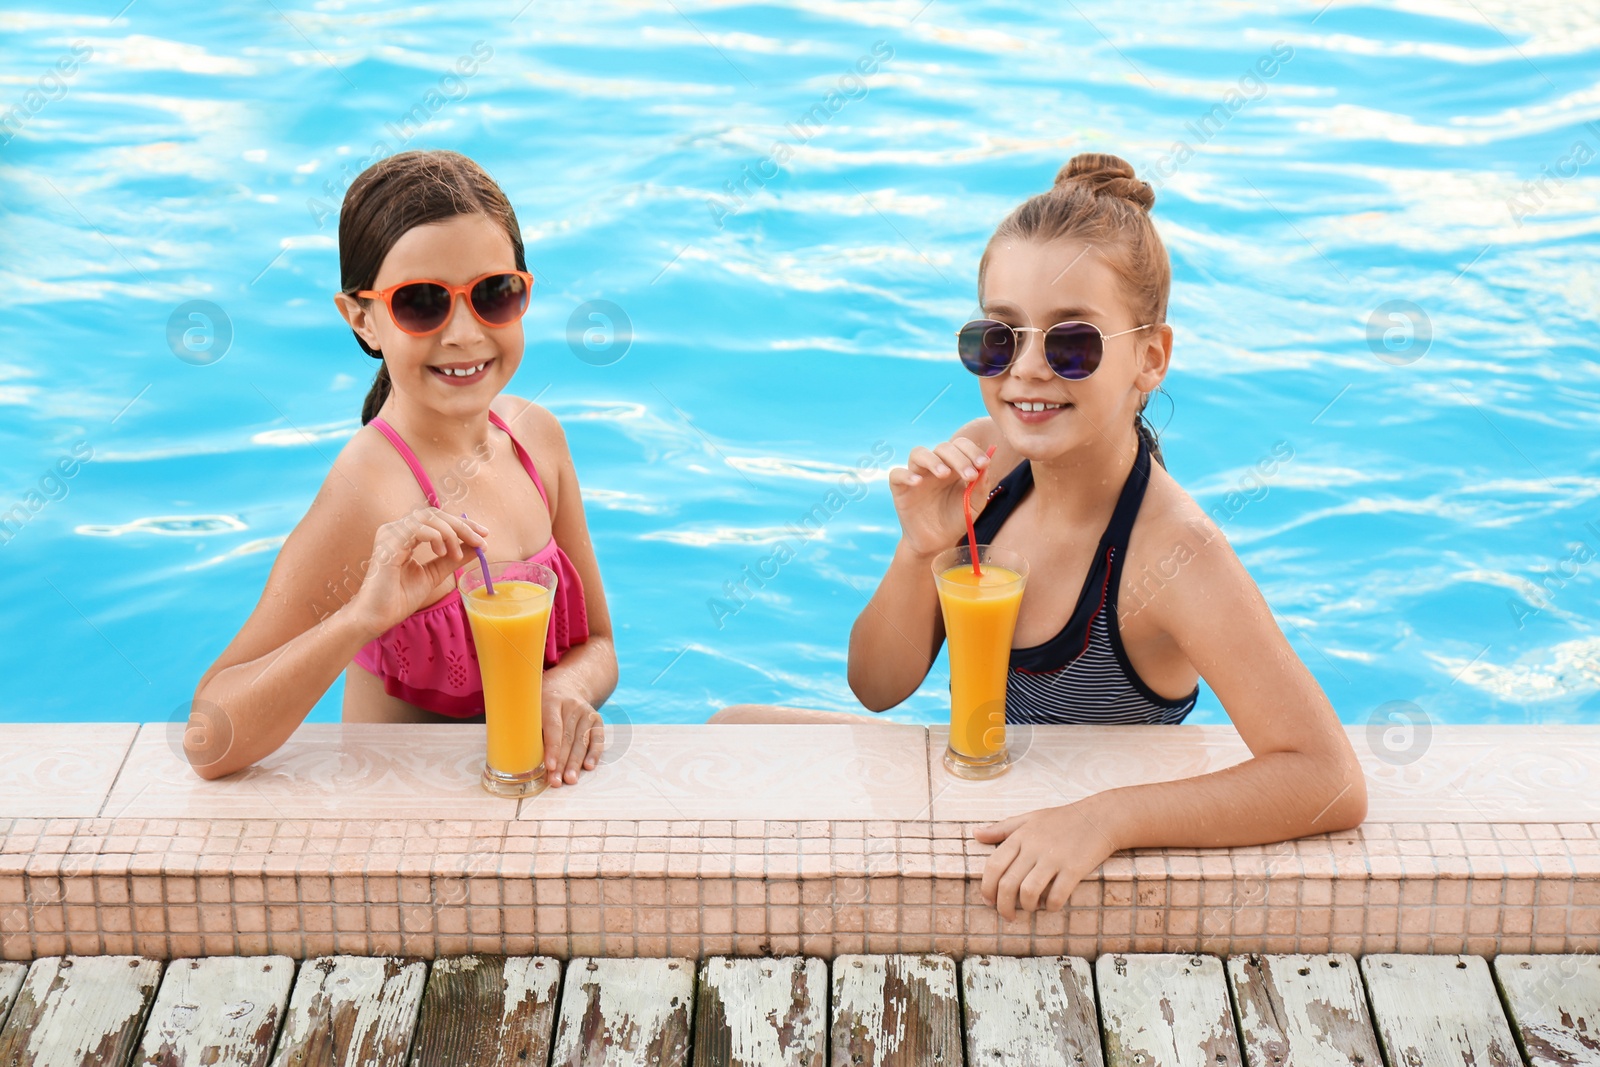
[[987, 347], [1073, 349], [500, 298], [420, 307]]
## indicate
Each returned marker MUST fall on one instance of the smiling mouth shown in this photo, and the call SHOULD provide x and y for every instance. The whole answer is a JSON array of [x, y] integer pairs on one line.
[[462, 374], [1031, 406]]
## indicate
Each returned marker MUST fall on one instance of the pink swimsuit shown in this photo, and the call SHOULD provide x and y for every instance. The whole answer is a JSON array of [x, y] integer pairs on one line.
[[428, 658]]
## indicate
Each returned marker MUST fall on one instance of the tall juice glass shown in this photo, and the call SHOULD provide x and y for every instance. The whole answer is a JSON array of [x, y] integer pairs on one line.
[[508, 630], [980, 616]]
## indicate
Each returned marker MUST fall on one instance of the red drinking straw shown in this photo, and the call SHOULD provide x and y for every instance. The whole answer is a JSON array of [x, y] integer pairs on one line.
[[966, 506]]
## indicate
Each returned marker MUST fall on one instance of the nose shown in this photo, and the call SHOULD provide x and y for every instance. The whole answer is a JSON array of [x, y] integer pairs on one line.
[[462, 327], [1030, 361]]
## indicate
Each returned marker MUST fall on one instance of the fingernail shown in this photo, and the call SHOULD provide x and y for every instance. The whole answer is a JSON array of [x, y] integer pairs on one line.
[[969, 472]]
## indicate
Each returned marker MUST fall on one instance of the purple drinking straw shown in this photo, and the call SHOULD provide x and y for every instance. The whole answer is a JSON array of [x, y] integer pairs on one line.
[[483, 561]]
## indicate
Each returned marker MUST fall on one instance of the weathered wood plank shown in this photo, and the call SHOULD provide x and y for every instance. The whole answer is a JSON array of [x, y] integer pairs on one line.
[[11, 975], [895, 1010], [1438, 1011], [487, 1011], [624, 1012], [752, 1012], [351, 1010], [1555, 1006], [217, 1011], [79, 1010], [1302, 1011], [1165, 1010], [1030, 1010]]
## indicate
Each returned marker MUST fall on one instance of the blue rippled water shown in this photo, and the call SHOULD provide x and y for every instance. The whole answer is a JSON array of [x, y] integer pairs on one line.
[[1384, 259]]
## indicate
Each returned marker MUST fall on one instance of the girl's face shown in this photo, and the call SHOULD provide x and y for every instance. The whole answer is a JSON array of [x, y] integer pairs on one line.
[[1041, 283], [456, 251]]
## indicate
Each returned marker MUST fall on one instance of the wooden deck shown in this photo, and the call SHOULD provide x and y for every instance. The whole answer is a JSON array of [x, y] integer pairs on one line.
[[1122, 1010]]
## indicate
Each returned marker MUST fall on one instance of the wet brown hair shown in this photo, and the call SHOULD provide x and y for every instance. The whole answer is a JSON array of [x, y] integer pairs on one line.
[[396, 194], [1098, 199]]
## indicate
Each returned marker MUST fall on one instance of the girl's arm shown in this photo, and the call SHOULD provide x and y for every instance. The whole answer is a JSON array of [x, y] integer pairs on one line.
[[897, 635], [587, 674], [334, 586], [1303, 777]]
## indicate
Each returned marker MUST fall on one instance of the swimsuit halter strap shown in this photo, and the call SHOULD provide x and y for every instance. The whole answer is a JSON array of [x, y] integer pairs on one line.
[[1127, 509], [522, 455], [422, 476], [410, 457]]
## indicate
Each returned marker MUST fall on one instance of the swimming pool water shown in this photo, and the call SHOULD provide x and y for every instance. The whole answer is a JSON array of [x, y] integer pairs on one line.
[[1381, 218]]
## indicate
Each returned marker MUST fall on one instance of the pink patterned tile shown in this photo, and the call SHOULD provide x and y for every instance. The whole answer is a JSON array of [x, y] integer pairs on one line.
[[362, 770], [752, 773], [1469, 774], [64, 770]]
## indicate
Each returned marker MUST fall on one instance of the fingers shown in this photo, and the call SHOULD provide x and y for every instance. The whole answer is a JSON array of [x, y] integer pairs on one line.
[[922, 462], [997, 832], [957, 457], [597, 743], [450, 535], [581, 724], [1006, 891], [996, 868], [447, 535], [1060, 890], [1033, 887], [555, 747]]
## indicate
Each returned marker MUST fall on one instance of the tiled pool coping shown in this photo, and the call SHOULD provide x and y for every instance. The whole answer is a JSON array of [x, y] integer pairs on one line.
[[698, 840]]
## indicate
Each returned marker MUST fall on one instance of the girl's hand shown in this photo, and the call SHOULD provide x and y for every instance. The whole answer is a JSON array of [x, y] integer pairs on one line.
[[928, 489], [574, 737], [1042, 857], [396, 584]]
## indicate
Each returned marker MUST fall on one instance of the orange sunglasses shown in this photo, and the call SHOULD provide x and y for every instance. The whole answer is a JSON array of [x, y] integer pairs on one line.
[[422, 306]]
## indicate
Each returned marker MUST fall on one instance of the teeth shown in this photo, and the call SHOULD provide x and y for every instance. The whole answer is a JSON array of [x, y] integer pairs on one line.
[[1035, 405], [466, 372]]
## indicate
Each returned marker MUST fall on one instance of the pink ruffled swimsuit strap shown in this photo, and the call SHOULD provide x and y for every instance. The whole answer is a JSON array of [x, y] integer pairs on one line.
[[428, 658]]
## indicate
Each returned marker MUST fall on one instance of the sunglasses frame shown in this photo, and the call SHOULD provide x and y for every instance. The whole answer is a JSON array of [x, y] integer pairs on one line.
[[464, 290], [1017, 343]]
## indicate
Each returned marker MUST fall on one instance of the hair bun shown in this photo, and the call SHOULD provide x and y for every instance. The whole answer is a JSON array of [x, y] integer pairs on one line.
[[1106, 175]]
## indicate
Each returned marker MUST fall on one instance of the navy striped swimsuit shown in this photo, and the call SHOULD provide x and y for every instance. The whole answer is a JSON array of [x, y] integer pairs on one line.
[[1082, 674]]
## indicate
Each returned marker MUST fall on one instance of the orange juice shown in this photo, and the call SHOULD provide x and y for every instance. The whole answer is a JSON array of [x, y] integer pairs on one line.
[[508, 629], [980, 615]]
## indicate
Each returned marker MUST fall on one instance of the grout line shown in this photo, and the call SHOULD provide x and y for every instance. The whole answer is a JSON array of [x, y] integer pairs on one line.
[[117, 776]]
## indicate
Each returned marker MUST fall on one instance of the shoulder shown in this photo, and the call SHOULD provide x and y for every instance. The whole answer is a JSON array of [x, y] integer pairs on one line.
[[530, 421], [1177, 541]]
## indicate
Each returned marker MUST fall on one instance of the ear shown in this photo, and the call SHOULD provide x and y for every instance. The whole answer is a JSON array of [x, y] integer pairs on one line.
[[1155, 356], [356, 314]]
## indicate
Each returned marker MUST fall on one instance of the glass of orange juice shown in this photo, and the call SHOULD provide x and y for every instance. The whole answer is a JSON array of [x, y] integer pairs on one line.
[[980, 615], [508, 631]]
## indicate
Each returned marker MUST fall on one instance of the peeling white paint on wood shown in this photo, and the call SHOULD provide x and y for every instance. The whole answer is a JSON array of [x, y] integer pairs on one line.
[[352, 1009], [217, 1010], [1030, 1010], [625, 1012], [1555, 1006], [1165, 1010], [1303, 1011], [1438, 1011], [762, 1011], [11, 975], [79, 1010], [487, 1011], [895, 1009]]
